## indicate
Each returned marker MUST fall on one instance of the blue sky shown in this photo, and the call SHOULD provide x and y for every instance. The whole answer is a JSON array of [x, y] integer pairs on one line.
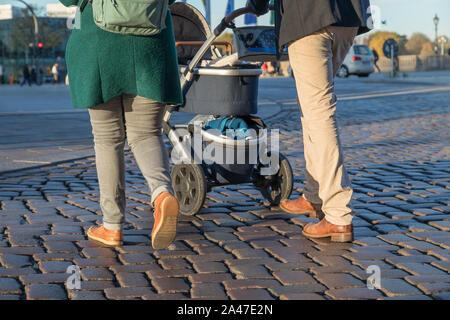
[[402, 16]]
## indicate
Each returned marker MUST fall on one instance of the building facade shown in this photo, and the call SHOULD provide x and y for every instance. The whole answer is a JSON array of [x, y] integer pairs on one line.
[[17, 42]]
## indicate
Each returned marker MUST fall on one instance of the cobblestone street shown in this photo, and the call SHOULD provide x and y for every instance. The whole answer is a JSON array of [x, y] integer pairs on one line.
[[396, 142]]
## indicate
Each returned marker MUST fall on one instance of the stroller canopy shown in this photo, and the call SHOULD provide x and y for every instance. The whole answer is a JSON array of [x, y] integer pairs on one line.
[[189, 25]]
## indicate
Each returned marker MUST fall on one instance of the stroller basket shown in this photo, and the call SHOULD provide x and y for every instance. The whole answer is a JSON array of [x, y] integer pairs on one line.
[[223, 91], [244, 156]]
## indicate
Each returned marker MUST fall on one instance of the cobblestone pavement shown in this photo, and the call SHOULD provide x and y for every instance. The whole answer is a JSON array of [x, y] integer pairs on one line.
[[397, 152]]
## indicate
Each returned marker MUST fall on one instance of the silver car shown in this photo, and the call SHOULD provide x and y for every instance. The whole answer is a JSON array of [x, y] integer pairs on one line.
[[359, 61]]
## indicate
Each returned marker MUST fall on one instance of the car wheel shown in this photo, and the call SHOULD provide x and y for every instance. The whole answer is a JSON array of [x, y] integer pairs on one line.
[[343, 72], [364, 75]]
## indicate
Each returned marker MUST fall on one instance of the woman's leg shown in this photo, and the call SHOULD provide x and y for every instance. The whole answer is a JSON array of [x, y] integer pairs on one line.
[[109, 138], [143, 121]]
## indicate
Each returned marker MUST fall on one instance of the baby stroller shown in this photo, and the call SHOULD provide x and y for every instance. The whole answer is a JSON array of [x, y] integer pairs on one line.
[[215, 89]]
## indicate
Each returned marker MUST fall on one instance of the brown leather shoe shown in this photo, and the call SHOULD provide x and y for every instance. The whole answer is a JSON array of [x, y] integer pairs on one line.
[[166, 209], [302, 206], [324, 229], [105, 236]]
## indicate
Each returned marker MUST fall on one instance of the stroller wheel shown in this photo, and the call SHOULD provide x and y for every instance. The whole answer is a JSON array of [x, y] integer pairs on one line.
[[189, 185], [277, 187]]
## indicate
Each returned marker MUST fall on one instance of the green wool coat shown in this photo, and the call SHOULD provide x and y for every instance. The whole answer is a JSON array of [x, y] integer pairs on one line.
[[103, 65]]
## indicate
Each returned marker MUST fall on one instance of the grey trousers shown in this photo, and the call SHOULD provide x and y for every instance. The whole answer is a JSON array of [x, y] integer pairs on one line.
[[315, 60], [138, 120]]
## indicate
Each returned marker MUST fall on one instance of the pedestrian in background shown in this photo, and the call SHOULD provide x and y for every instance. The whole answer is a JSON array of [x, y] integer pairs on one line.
[[33, 75], [126, 81], [25, 76], [376, 57], [55, 73], [319, 34]]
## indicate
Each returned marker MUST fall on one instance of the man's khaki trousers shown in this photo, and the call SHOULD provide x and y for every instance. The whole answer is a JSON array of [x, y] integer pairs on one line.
[[315, 60]]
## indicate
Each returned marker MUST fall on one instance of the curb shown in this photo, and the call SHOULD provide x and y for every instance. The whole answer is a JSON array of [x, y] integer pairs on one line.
[[45, 165], [403, 82]]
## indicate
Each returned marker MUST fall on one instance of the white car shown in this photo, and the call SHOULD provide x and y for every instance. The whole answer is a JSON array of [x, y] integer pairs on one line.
[[359, 61]]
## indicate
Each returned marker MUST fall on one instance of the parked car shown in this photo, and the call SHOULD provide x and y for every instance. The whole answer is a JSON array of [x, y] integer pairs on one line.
[[359, 61]]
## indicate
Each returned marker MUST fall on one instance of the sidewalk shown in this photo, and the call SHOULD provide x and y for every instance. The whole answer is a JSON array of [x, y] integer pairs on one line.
[[419, 78], [396, 149]]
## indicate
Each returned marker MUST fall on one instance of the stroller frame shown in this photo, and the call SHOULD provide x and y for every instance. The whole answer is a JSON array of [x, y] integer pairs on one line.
[[191, 181]]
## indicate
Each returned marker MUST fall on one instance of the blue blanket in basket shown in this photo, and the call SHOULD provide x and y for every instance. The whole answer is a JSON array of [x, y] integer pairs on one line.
[[237, 126]]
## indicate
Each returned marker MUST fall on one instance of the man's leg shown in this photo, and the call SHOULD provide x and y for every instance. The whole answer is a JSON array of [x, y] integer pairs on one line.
[[314, 60]]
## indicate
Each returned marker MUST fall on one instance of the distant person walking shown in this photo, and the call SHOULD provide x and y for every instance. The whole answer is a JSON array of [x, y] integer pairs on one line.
[[376, 57], [33, 75], [126, 82], [26, 78], [55, 73]]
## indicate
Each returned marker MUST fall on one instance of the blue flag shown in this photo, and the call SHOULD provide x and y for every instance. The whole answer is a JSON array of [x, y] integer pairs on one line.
[[230, 7], [250, 19]]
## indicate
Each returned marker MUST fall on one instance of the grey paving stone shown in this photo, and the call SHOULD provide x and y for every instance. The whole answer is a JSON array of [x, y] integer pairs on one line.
[[87, 295], [415, 298], [54, 266], [45, 292], [287, 277], [250, 272], [297, 288], [170, 285], [44, 278], [435, 287], [353, 294], [398, 287], [250, 284], [415, 280], [301, 296], [208, 290], [442, 295], [98, 252], [209, 277], [60, 247], [136, 258], [210, 267], [127, 293], [420, 269], [96, 274], [443, 225], [14, 260], [250, 294], [133, 279], [340, 280], [10, 286]]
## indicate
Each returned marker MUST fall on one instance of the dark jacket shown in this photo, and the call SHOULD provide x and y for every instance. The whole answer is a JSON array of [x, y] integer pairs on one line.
[[296, 19]]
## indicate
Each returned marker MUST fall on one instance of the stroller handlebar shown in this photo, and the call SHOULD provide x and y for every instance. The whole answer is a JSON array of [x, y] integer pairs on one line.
[[227, 22]]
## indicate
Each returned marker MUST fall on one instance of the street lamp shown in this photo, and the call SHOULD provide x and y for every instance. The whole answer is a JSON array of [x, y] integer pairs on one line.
[[36, 35], [436, 23]]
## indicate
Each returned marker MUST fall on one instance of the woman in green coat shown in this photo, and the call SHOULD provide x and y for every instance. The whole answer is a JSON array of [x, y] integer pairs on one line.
[[126, 81]]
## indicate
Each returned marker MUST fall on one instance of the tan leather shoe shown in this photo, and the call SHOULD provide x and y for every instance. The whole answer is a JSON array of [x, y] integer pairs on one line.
[[105, 236], [166, 209], [302, 206], [324, 229]]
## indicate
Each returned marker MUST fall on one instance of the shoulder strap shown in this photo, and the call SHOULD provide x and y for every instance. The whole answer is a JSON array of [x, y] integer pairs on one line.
[[83, 4]]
